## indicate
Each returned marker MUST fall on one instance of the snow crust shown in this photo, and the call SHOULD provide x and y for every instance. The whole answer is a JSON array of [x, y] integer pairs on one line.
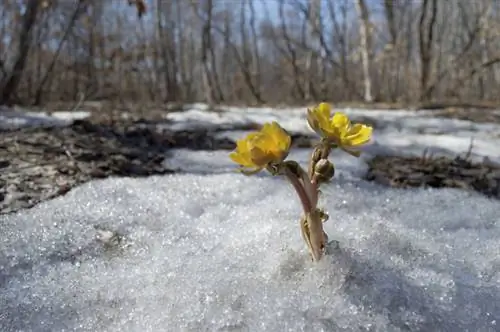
[[223, 253]]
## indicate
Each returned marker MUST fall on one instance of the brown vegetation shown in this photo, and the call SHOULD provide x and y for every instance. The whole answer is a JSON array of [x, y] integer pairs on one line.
[[249, 51]]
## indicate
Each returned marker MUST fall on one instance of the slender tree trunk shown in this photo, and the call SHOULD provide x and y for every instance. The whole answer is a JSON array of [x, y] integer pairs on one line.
[[49, 71], [365, 36], [426, 38], [10, 86]]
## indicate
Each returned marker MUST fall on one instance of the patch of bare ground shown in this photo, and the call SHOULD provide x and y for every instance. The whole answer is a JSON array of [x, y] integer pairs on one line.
[[436, 172], [37, 164]]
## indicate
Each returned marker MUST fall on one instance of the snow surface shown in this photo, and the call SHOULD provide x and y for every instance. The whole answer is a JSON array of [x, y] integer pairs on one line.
[[11, 119], [213, 250], [223, 253]]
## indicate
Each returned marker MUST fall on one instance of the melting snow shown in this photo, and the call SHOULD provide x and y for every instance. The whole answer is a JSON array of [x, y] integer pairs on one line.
[[224, 253]]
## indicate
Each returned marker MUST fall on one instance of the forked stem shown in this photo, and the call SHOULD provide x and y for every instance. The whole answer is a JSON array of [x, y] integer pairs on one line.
[[311, 223]]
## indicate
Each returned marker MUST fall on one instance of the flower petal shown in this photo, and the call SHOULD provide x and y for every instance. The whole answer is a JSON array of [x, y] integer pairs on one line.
[[272, 130], [358, 135], [324, 110], [285, 145], [313, 122], [252, 136], [263, 141], [278, 131], [267, 129], [243, 160], [251, 171], [242, 153], [274, 141], [324, 123], [341, 122], [260, 157], [258, 149], [242, 146], [282, 138]]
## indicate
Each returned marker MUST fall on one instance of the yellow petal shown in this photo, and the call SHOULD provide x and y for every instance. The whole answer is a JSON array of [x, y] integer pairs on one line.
[[286, 143], [264, 142], [251, 171], [252, 136], [281, 137], [325, 127], [269, 129], [341, 122], [266, 128], [242, 146], [323, 117], [278, 131], [358, 135], [274, 131], [313, 122], [242, 153], [260, 157], [274, 142], [258, 149], [324, 110], [243, 160]]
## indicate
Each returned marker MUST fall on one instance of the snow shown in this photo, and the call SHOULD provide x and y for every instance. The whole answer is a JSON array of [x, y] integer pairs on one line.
[[223, 253], [209, 249], [11, 119], [217, 162]]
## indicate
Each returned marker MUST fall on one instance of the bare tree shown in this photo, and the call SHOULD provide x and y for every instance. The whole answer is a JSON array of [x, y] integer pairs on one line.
[[137, 52], [426, 38], [12, 79], [365, 44]]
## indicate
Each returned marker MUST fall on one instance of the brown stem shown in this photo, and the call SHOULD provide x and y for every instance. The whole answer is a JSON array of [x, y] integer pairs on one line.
[[315, 190], [307, 184], [299, 188]]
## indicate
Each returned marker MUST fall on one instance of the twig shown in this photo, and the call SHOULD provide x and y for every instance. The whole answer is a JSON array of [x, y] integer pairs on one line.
[[469, 150], [78, 103], [424, 156]]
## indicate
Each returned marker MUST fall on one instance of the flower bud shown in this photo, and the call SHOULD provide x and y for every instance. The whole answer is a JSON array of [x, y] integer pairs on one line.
[[323, 170], [313, 121], [317, 153]]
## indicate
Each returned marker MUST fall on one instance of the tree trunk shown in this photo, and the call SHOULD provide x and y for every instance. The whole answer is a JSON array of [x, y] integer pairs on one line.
[[426, 37], [365, 36], [10, 86]]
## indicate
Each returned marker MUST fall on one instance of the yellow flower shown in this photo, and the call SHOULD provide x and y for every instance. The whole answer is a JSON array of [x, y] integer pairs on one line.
[[258, 149], [337, 129]]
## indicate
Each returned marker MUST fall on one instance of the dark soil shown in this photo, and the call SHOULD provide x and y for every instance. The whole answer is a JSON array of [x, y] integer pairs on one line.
[[469, 114], [410, 172], [37, 164]]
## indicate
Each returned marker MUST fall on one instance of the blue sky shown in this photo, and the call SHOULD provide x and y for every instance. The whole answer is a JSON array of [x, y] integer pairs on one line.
[[265, 10], [269, 9]]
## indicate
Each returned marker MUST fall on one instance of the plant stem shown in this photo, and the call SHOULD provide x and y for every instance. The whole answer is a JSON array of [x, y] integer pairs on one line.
[[309, 187], [299, 188], [315, 191], [316, 234]]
